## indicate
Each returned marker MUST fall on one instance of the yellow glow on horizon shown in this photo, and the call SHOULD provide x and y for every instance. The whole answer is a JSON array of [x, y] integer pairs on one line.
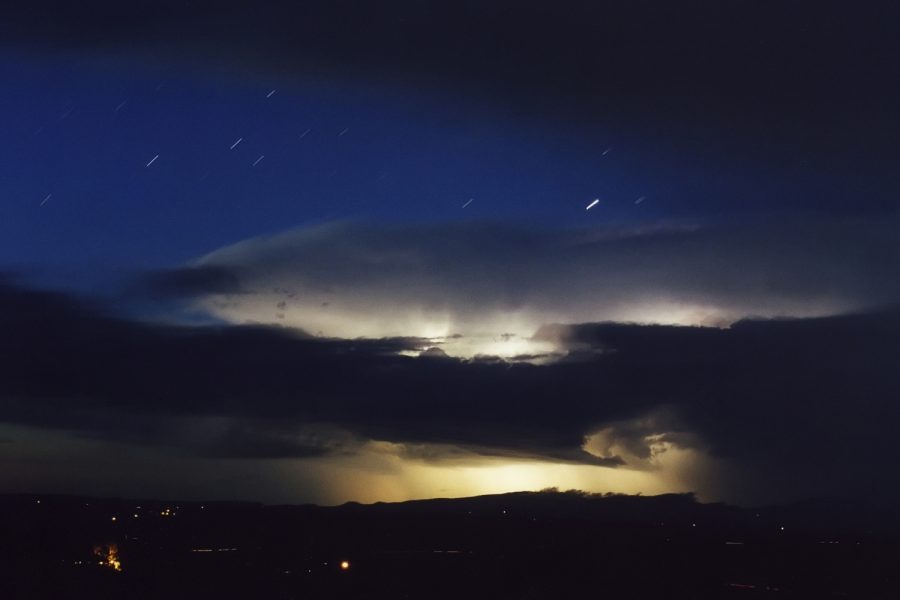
[[379, 471], [384, 477]]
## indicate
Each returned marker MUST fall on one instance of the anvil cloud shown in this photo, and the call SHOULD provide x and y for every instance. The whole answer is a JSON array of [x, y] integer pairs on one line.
[[494, 286]]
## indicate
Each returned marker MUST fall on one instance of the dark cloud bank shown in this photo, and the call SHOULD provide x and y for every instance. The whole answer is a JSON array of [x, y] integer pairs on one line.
[[792, 52], [800, 76], [795, 407]]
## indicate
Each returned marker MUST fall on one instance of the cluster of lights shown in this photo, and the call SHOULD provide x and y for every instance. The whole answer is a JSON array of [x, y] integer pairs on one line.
[[109, 556]]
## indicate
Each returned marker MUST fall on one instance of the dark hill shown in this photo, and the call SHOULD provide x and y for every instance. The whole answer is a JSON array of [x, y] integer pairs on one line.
[[519, 545]]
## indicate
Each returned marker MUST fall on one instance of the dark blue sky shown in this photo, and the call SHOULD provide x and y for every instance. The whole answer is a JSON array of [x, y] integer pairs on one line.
[[81, 128], [404, 156]]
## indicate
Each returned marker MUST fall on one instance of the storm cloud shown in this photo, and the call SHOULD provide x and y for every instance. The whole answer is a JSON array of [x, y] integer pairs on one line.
[[792, 406], [496, 285], [707, 324]]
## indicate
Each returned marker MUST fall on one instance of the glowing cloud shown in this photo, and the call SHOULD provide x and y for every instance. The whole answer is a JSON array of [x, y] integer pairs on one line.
[[485, 289]]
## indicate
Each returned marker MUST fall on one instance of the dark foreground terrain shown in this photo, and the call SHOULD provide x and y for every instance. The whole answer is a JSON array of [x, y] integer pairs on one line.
[[524, 545]]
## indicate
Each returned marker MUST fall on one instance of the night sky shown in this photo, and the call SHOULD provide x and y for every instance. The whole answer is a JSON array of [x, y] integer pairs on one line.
[[329, 251]]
